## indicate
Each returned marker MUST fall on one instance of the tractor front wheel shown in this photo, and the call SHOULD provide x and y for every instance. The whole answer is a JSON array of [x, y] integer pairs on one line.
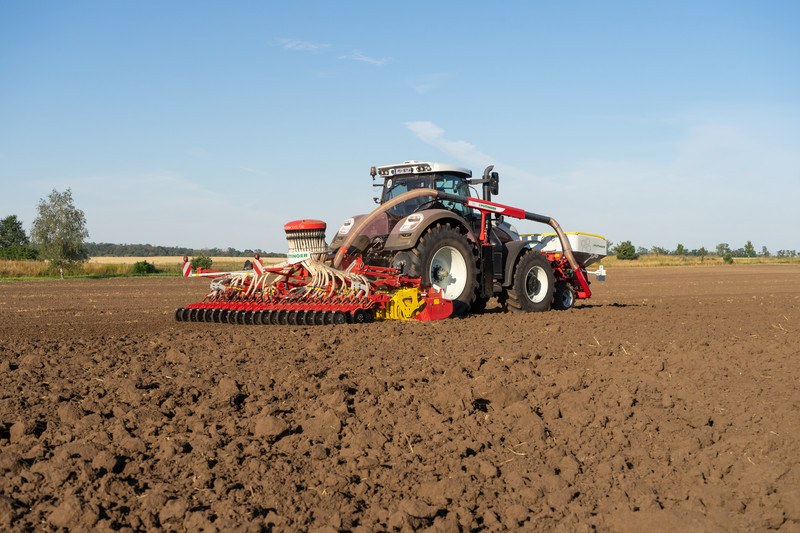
[[534, 284]]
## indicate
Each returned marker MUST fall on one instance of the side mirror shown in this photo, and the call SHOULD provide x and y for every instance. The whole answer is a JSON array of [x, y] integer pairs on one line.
[[494, 183]]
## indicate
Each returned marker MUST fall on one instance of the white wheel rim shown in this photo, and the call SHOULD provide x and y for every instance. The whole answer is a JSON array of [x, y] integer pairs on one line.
[[536, 284], [448, 272]]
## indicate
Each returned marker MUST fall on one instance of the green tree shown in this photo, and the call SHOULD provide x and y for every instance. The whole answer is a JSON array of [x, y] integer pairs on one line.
[[59, 231], [680, 250], [764, 251], [202, 261], [14, 244], [625, 250], [11, 232], [658, 250], [723, 248], [749, 250], [702, 251], [728, 258], [143, 267]]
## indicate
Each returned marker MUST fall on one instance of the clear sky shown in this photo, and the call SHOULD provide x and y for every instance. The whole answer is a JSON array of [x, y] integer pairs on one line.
[[211, 124]]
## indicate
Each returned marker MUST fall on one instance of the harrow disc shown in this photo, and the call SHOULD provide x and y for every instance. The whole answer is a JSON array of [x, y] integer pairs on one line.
[[283, 317], [362, 316], [339, 317]]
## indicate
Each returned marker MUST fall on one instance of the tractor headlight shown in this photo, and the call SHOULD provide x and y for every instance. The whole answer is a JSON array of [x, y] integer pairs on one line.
[[411, 222], [347, 226]]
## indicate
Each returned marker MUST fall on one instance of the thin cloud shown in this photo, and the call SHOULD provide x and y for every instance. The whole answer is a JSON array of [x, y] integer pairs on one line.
[[358, 56], [516, 180], [254, 171], [428, 83], [431, 134], [303, 46]]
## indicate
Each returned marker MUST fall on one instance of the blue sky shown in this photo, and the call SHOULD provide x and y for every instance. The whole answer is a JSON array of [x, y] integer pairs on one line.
[[214, 123]]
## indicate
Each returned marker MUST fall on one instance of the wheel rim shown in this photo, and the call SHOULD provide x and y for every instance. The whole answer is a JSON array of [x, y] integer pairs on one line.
[[448, 272], [536, 284]]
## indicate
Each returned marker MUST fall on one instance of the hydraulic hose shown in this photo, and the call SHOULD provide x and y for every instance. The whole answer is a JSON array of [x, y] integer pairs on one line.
[[364, 222]]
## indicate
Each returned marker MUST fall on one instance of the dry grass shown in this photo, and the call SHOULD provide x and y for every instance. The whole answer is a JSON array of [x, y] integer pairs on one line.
[[123, 266], [652, 260], [17, 268], [116, 266]]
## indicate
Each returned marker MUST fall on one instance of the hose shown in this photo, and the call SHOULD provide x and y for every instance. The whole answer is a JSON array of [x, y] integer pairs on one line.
[[364, 222], [356, 230]]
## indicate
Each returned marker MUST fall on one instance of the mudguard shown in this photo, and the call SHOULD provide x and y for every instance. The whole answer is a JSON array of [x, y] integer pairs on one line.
[[407, 232], [514, 250]]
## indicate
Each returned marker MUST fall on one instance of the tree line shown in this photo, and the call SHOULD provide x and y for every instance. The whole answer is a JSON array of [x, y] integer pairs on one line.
[[626, 250], [107, 249]]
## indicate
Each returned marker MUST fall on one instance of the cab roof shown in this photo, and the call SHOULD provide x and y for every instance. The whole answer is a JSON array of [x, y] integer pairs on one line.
[[420, 167]]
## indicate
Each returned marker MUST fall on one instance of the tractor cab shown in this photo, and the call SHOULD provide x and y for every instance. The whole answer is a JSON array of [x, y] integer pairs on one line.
[[410, 175]]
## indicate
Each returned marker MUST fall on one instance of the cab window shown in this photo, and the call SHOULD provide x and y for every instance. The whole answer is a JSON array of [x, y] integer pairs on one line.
[[453, 185]]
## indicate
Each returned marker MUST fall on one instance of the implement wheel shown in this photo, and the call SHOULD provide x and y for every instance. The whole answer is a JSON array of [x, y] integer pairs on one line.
[[564, 297], [534, 284]]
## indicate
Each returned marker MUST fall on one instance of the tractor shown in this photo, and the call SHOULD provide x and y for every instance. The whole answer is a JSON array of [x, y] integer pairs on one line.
[[470, 253]]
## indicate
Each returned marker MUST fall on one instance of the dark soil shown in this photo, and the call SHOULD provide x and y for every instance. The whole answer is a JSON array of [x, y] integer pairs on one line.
[[669, 401]]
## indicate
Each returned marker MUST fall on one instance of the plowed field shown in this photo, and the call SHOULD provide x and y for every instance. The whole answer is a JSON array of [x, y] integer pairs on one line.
[[668, 402]]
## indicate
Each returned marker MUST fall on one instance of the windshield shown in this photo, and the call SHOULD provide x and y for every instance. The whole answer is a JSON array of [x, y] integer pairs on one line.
[[394, 187], [452, 184]]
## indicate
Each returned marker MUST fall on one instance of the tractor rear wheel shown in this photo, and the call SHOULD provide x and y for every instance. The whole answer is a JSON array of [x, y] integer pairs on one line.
[[446, 261], [534, 284]]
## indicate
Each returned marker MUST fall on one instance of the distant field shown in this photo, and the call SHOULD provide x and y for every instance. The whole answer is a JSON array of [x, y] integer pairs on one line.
[[173, 260], [116, 266], [171, 265], [652, 260]]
